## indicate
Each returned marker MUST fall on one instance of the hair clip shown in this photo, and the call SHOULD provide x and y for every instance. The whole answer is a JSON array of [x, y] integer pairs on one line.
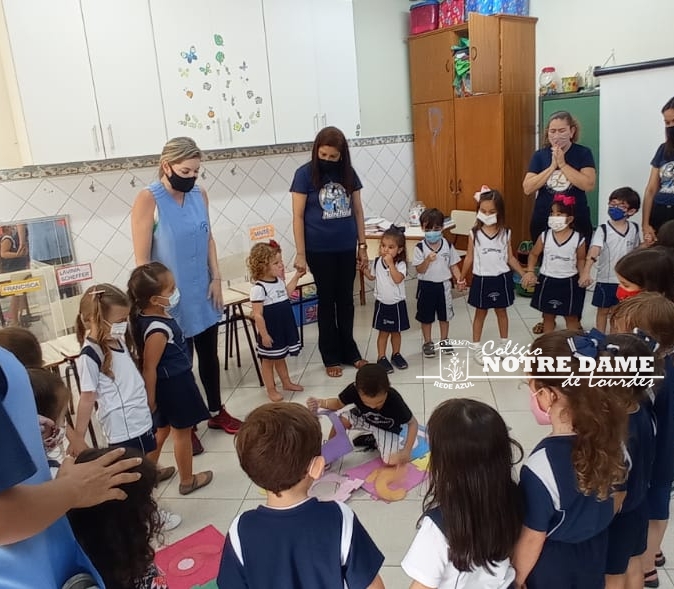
[[398, 228], [274, 244], [480, 192], [586, 345], [653, 346], [95, 293], [567, 201]]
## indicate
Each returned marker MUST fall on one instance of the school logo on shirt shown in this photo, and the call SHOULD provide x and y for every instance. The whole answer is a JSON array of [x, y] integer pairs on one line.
[[667, 178], [558, 182], [335, 201]]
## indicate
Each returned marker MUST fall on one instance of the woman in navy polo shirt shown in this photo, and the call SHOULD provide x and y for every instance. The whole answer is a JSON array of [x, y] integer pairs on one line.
[[659, 193], [329, 227]]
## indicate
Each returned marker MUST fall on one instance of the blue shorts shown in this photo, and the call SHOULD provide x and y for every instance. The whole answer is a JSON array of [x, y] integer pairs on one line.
[[434, 299], [492, 292], [559, 296], [562, 565], [627, 537], [179, 402], [145, 443], [391, 318], [658, 502], [604, 295]]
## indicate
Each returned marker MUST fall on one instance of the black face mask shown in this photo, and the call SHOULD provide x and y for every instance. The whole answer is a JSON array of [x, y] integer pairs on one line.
[[329, 167], [179, 183], [669, 132]]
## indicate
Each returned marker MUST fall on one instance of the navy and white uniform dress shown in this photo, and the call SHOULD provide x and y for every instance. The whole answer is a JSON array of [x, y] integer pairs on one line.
[[557, 291], [390, 308], [628, 531], [315, 544], [576, 525], [179, 402], [492, 286], [662, 474], [434, 287], [614, 245], [279, 319]]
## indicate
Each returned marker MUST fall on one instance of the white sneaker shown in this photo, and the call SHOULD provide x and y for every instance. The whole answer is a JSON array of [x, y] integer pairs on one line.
[[478, 356], [169, 521]]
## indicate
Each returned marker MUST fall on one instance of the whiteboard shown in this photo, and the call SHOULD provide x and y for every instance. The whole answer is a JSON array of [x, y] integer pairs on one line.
[[630, 129]]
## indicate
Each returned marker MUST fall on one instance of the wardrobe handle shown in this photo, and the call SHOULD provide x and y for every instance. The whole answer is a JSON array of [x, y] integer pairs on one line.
[[112, 138], [459, 187], [473, 53], [94, 134], [451, 186], [448, 66]]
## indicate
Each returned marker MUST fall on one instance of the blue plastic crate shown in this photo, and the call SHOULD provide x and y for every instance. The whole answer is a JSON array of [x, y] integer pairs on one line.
[[306, 313]]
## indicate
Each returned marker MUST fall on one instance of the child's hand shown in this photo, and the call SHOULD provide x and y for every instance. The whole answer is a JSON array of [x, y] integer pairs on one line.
[[77, 446], [529, 280], [431, 257], [399, 458], [461, 284], [301, 271], [584, 280], [313, 404], [388, 260], [266, 340]]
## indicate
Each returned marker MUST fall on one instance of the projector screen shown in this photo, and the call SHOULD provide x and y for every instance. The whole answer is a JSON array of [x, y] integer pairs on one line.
[[630, 129]]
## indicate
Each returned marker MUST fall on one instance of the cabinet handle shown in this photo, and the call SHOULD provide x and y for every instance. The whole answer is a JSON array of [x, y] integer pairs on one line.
[[459, 187], [324, 120], [94, 133], [219, 132], [229, 126], [451, 186], [473, 53], [448, 66], [111, 137], [316, 123]]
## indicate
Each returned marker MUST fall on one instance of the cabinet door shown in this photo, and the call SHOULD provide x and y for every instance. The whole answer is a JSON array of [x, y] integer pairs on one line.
[[434, 154], [336, 70], [485, 47], [432, 67], [50, 57], [479, 146], [292, 69], [124, 70], [238, 55]]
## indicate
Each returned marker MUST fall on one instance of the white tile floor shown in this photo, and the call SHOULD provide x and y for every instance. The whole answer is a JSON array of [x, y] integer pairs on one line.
[[391, 525]]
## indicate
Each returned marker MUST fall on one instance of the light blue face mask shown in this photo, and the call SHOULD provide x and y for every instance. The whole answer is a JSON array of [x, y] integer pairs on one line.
[[433, 236], [173, 299]]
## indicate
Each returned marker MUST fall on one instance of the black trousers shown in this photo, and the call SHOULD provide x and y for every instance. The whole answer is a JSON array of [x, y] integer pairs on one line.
[[206, 346], [334, 273], [660, 214]]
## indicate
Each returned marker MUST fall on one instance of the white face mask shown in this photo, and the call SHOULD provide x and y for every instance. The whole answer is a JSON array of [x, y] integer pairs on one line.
[[487, 219], [118, 329], [557, 223], [173, 299]]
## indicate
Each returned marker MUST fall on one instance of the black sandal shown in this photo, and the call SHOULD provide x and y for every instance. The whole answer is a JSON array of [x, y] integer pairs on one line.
[[655, 582], [660, 559]]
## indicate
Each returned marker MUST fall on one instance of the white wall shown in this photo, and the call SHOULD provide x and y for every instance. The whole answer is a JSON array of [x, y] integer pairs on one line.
[[573, 34], [381, 29]]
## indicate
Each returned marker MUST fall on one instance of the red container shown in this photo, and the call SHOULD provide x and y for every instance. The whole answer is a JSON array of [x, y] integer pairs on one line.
[[424, 17], [452, 12]]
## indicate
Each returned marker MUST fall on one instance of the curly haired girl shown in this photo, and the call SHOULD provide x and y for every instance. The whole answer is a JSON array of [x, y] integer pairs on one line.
[[570, 477], [277, 334]]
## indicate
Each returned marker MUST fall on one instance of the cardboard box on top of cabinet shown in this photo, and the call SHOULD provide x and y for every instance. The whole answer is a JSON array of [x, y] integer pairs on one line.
[[452, 12]]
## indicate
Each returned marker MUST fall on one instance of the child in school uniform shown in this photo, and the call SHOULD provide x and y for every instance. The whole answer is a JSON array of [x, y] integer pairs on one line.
[[569, 478], [557, 289], [490, 257], [653, 314], [436, 262], [390, 308], [610, 242], [166, 364], [379, 410], [293, 540], [645, 270], [277, 335]]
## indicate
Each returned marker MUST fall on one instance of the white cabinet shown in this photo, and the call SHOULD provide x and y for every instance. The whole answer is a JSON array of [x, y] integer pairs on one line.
[[87, 78], [213, 71], [312, 65]]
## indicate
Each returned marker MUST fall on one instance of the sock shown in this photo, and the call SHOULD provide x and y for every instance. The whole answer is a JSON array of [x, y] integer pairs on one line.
[[476, 345]]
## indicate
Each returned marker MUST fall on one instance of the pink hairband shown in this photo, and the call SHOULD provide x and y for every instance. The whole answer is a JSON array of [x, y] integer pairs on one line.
[[480, 192]]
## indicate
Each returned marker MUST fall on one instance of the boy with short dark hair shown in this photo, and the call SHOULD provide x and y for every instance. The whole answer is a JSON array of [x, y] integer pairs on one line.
[[293, 541], [379, 410], [610, 242], [435, 261]]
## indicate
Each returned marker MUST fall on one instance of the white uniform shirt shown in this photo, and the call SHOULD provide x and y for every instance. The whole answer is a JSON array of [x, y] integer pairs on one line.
[[438, 270], [427, 561], [490, 254], [614, 245], [560, 260], [385, 289], [268, 293], [123, 411]]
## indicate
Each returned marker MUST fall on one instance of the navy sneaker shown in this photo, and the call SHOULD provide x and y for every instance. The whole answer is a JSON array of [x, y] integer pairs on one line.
[[399, 362], [385, 364]]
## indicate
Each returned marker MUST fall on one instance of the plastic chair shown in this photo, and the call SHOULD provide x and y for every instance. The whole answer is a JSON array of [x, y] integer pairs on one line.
[[463, 223], [340, 444]]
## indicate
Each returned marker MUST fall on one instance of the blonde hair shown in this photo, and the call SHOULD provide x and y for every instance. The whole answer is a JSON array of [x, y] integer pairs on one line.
[[178, 150], [94, 307], [261, 255]]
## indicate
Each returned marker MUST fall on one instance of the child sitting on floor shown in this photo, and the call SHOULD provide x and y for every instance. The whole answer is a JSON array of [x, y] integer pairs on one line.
[[379, 410], [293, 541]]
